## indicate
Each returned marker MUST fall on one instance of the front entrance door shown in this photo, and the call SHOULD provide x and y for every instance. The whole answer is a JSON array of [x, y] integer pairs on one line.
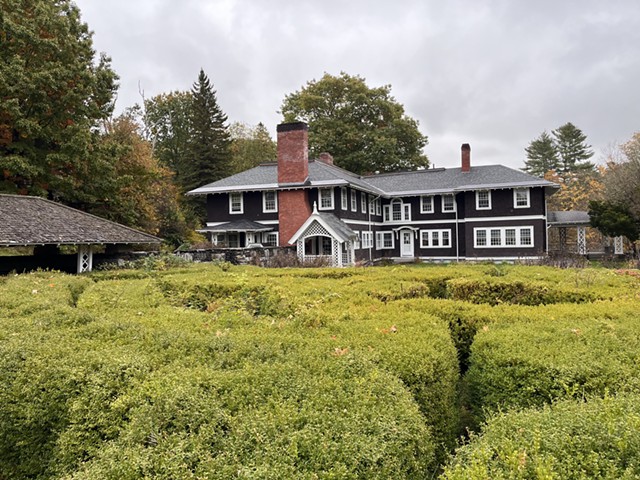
[[406, 245]]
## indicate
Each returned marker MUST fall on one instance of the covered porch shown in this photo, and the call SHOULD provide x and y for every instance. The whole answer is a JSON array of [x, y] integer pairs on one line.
[[241, 234], [571, 232]]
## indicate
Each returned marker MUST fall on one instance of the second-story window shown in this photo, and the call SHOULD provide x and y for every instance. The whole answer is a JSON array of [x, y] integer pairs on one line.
[[363, 202], [426, 204], [521, 198], [269, 202], [397, 211], [236, 204], [326, 199], [344, 202], [483, 200], [448, 203], [354, 201]]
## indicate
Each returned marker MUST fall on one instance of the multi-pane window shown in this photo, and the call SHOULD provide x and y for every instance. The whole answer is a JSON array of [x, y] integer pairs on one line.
[[378, 206], [326, 198], [384, 240], [521, 198], [372, 207], [363, 202], [397, 211], [236, 204], [344, 202], [483, 200], [354, 201], [503, 237], [448, 203], [366, 239], [270, 239], [435, 238], [269, 201], [426, 204]]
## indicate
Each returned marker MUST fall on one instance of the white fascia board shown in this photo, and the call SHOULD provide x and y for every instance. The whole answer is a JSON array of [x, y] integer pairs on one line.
[[238, 188]]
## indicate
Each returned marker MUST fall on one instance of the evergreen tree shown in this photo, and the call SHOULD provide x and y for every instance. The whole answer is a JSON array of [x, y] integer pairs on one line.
[[541, 156], [209, 140], [573, 150]]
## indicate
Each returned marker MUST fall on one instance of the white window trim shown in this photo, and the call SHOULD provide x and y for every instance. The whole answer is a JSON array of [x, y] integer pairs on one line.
[[378, 207], [380, 240], [422, 203], [236, 212], [344, 201], [320, 207], [478, 207], [372, 207], [354, 201], [454, 203], [430, 233], [503, 235], [515, 197], [363, 202], [366, 239], [265, 235], [405, 213], [264, 202], [356, 242]]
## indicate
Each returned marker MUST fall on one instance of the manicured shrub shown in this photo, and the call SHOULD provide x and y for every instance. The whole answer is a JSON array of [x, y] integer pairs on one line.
[[597, 439], [529, 364]]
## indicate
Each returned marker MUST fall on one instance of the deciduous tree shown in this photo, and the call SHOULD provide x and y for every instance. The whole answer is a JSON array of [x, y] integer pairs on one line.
[[365, 129], [250, 146], [52, 94]]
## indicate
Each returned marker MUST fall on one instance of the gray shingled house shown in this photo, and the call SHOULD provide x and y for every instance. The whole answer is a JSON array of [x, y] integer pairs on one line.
[[489, 212], [27, 221]]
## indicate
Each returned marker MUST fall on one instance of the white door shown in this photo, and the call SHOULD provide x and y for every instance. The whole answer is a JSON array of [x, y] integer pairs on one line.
[[406, 247]]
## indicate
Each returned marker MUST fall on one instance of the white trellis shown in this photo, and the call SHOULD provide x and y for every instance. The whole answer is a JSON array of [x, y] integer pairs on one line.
[[582, 240], [85, 258], [618, 245], [317, 230]]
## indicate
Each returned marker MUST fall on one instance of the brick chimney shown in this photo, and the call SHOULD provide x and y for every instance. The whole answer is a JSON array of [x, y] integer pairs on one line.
[[325, 157], [293, 167], [466, 157], [293, 152]]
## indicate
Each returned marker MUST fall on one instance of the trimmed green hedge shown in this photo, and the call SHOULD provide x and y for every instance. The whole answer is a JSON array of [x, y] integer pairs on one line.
[[597, 439], [529, 364]]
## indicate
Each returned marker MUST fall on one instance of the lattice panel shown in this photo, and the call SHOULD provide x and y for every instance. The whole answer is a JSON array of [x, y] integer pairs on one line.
[[316, 229], [618, 245], [582, 240], [85, 258]]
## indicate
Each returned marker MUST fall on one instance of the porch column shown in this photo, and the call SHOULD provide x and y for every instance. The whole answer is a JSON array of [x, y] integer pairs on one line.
[[562, 238], [85, 258], [582, 241]]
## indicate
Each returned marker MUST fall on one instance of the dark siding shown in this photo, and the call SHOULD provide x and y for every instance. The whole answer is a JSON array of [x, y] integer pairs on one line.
[[218, 208], [539, 240], [502, 204]]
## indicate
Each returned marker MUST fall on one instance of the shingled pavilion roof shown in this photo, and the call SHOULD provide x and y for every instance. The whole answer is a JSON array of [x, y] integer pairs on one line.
[[26, 220]]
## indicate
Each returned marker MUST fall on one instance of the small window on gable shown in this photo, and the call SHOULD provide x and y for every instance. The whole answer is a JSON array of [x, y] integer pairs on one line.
[[521, 198], [344, 202], [236, 203], [354, 201], [483, 200], [326, 199], [426, 204], [448, 203], [269, 201]]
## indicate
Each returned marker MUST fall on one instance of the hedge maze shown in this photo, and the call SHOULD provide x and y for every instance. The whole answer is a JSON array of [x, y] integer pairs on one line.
[[218, 371]]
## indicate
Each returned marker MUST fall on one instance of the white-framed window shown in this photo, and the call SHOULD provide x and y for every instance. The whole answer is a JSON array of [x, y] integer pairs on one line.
[[426, 204], [483, 200], [372, 207], [236, 203], [521, 198], [269, 201], [354, 201], [508, 237], [325, 195], [344, 201], [384, 240], [448, 203], [363, 202], [356, 242], [378, 206], [397, 211], [366, 239], [435, 238], [219, 240], [270, 239]]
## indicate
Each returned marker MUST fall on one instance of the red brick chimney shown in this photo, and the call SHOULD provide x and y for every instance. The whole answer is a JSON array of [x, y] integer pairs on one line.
[[293, 167], [293, 152], [325, 157], [466, 157]]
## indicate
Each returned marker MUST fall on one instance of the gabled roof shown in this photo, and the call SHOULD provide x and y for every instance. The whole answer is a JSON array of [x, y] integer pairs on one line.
[[336, 227], [26, 220], [420, 182]]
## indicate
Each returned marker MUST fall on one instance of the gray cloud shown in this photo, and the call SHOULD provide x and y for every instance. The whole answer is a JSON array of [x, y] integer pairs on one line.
[[494, 73]]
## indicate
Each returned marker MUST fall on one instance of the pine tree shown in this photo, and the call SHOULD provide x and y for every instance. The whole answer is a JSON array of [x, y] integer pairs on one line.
[[209, 140], [541, 156], [573, 150]]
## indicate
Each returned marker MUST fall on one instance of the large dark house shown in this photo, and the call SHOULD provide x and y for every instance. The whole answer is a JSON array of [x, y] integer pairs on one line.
[[466, 213]]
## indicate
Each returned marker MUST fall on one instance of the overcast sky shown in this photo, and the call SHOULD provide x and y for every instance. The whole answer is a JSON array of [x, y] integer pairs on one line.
[[492, 73]]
